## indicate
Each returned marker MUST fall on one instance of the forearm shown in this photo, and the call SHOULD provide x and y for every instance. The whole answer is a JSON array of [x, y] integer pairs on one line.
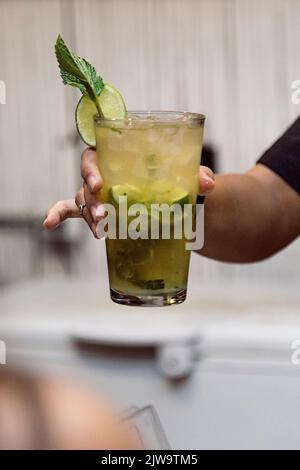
[[250, 217]]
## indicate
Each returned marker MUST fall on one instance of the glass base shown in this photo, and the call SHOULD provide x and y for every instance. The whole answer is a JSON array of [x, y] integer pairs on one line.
[[159, 300]]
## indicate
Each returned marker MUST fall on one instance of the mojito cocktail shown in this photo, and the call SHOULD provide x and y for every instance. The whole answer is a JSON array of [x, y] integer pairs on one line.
[[151, 158], [148, 159]]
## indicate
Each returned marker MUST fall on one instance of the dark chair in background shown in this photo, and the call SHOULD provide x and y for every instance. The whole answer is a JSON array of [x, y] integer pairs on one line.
[[209, 157]]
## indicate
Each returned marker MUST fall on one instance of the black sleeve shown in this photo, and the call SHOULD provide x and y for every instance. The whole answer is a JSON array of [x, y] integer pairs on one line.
[[284, 156]]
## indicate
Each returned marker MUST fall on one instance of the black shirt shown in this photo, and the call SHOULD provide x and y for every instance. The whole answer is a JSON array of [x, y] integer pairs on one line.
[[284, 156]]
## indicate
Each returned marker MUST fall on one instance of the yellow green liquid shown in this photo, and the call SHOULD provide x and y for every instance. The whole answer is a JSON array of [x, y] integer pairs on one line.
[[157, 161], [142, 267]]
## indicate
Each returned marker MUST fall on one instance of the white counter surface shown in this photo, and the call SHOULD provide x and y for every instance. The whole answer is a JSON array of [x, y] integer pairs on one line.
[[240, 315], [243, 391]]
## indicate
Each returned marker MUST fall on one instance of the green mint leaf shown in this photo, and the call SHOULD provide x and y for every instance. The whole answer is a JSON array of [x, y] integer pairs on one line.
[[69, 79], [77, 72], [96, 80]]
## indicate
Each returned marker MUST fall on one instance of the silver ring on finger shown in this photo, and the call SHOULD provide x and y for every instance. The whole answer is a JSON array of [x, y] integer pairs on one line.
[[81, 208]]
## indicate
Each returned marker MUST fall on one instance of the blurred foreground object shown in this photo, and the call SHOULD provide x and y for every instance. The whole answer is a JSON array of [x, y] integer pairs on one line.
[[243, 391], [146, 428], [49, 413]]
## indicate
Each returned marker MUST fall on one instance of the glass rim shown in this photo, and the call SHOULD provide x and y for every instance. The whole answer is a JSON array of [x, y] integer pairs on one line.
[[162, 117]]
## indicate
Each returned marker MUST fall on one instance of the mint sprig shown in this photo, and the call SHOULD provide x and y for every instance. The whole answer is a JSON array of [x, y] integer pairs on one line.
[[77, 72]]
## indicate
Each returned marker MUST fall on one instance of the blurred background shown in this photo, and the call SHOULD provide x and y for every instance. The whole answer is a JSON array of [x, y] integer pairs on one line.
[[234, 384]]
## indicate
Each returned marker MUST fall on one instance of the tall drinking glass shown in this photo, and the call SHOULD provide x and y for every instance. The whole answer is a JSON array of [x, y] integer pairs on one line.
[[151, 158]]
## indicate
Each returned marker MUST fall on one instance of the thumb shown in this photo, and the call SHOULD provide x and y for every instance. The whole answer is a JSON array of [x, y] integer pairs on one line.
[[206, 180]]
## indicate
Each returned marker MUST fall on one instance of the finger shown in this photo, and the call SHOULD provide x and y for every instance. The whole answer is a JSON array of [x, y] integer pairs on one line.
[[61, 211], [95, 207], [206, 180], [89, 170], [86, 215]]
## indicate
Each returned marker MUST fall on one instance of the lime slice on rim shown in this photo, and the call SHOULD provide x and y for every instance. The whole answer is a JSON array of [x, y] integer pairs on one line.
[[112, 105], [84, 118]]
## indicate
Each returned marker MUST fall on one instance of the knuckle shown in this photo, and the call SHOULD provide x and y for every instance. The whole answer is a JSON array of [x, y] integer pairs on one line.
[[62, 204], [59, 205], [67, 212], [64, 209]]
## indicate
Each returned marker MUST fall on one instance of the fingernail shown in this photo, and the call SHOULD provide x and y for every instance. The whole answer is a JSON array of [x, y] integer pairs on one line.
[[92, 182], [208, 181], [100, 211]]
